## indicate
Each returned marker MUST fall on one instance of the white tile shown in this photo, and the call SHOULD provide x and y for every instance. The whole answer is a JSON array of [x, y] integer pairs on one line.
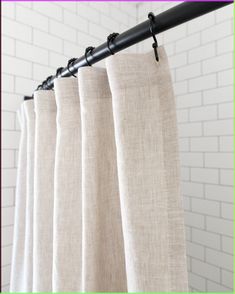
[[204, 144], [226, 143], [206, 207], [227, 278], [208, 271], [7, 197], [31, 53], [205, 175], [16, 30], [218, 127], [206, 238], [219, 193], [218, 63], [227, 244], [226, 177], [226, 110], [227, 210], [192, 189], [203, 113], [220, 226], [202, 83], [218, 95]]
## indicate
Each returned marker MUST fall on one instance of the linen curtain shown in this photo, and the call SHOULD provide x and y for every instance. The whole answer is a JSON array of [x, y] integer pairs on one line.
[[98, 180]]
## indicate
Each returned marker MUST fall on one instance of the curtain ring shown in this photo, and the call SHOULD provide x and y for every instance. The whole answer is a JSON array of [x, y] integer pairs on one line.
[[48, 79], [88, 49], [110, 39], [70, 62], [58, 71], [151, 18]]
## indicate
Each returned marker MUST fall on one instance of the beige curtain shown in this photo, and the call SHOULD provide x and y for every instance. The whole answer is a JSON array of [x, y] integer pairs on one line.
[[107, 205]]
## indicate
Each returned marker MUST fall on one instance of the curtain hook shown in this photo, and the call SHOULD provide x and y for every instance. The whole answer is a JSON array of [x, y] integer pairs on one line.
[[151, 18], [88, 49], [110, 39], [58, 71], [70, 62]]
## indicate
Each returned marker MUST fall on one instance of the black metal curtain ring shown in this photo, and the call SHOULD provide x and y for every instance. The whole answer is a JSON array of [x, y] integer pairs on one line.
[[70, 62], [88, 49], [110, 39], [58, 71], [151, 18], [39, 87]]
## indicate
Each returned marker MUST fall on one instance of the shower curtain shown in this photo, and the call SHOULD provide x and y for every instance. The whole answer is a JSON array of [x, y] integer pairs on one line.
[[98, 204]]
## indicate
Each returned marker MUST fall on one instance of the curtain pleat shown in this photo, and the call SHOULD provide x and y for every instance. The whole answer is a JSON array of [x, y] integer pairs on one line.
[[148, 169], [28, 253], [103, 255], [103, 190], [45, 140], [67, 241], [17, 265]]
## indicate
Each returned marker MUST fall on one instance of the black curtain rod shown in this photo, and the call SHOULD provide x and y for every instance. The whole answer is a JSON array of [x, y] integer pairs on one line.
[[166, 20]]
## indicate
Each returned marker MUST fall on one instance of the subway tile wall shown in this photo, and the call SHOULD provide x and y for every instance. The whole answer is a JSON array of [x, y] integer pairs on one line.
[[201, 60], [39, 37]]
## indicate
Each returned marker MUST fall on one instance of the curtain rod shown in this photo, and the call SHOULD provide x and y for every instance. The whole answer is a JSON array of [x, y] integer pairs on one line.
[[166, 20]]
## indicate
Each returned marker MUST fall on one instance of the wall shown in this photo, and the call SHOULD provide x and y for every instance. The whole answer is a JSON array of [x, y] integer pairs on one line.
[[37, 39], [200, 56]]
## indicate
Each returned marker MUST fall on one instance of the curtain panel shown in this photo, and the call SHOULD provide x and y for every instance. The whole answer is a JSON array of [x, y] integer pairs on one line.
[[98, 202]]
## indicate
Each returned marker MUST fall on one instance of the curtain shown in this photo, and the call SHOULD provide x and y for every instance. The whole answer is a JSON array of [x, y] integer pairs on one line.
[[107, 213]]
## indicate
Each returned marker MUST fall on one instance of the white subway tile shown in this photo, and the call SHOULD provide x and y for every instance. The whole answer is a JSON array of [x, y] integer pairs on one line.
[[47, 41], [174, 34], [219, 160], [197, 282], [219, 226], [46, 8], [75, 21], [7, 197], [203, 113], [6, 255], [8, 46], [11, 102], [31, 18], [7, 216], [191, 159], [219, 193], [17, 67], [227, 244], [205, 175], [227, 278], [182, 115], [16, 30], [190, 130], [184, 144], [195, 250], [58, 29], [204, 144], [8, 9], [206, 270], [225, 45], [189, 100], [10, 139], [194, 220], [215, 287], [227, 210], [218, 127], [201, 23], [8, 120], [25, 86], [8, 177], [226, 110], [201, 53], [202, 83], [187, 43], [206, 238], [224, 13], [7, 158], [187, 72], [218, 95], [7, 235], [180, 87], [225, 78], [6, 271], [216, 32], [226, 177], [218, 63], [226, 144], [192, 189], [206, 207], [40, 72], [31, 53], [177, 60]]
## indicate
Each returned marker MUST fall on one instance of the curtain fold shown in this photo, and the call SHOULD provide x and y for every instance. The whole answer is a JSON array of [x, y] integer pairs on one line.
[[28, 252], [67, 241], [105, 193], [17, 265], [45, 140], [103, 255]]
